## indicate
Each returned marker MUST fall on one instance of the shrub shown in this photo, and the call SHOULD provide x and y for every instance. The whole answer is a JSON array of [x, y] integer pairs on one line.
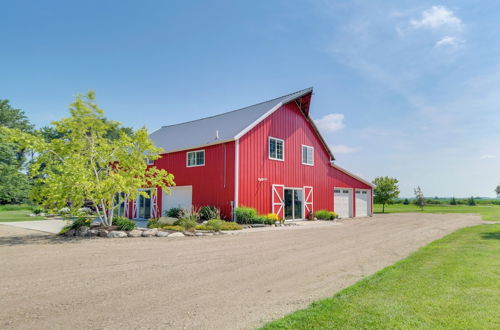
[[323, 215], [209, 212], [189, 223], [453, 201], [333, 215], [80, 222], [245, 215], [471, 201], [406, 201], [272, 217], [84, 210], [219, 225], [37, 210], [123, 223], [153, 223], [173, 228], [175, 212]]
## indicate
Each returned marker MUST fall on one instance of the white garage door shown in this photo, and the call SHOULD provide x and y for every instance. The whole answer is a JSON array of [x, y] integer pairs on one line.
[[362, 203], [342, 202], [180, 196]]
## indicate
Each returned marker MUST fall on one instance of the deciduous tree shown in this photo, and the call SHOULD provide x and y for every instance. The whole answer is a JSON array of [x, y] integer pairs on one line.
[[385, 191], [82, 161], [419, 198]]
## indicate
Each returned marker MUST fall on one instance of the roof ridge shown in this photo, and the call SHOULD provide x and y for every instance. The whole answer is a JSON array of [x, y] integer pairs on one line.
[[220, 114]]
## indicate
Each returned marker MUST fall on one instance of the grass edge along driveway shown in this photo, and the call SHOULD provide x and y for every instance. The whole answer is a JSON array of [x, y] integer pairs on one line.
[[451, 283], [487, 212]]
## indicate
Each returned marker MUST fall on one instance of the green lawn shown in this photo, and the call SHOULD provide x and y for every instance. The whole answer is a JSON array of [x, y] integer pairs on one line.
[[17, 215], [488, 212], [452, 283]]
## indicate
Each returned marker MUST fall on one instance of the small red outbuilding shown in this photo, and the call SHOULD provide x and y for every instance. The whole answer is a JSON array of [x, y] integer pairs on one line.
[[269, 156]]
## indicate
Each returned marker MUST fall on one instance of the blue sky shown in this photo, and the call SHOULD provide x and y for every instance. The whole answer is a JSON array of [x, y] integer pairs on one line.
[[407, 89]]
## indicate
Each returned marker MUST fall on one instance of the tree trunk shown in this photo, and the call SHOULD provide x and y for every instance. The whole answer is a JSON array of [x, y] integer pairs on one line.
[[383, 208]]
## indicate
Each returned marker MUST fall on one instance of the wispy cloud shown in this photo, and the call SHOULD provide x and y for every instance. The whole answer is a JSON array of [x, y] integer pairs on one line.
[[343, 149], [448, 41], [331, 122], [437, 17], [488, 157]]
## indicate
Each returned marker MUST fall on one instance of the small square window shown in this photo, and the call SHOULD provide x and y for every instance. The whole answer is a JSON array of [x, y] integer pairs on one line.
[[307, 155], [276, 149], [149, 161], [196, 158]]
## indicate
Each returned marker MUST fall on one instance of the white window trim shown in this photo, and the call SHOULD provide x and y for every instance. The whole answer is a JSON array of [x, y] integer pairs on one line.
[[269, 149], [149, 161], [195, 151], [302, 155]]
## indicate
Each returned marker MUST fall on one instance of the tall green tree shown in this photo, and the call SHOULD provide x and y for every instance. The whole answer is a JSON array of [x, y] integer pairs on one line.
[[14, 181], [82, 162], [386, 190], [497, 190]]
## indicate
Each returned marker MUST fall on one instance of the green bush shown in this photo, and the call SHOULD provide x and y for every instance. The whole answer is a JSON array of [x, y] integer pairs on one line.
[[218, 225], [245, 215], [173, 228], [37, 210], [80, 222], [175, 212], [209, 212], [189, 223], [471, 201], [323, 215], [153, 223], [123, 223], [406, 201]]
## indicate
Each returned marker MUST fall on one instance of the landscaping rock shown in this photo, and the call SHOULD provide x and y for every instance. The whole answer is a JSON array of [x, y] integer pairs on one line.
[[103, 233], [117, 234], [199, 234], [258, 225], [70, 233], [149, 232], [82, 231], [135, 233], [162, 234], [176, 234], [92, 233], [167, 221], [188, 233]]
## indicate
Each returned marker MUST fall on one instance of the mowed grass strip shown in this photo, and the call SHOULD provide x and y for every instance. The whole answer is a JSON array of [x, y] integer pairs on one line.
[[488, 212], [18, 215], [452, 283]]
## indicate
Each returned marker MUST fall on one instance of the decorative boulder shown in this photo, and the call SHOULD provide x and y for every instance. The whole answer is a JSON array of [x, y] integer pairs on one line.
[[176, 234], [82, 231], [134, 233], [70, 233], [92, 233], [117, 234], [103, 233], [162, 234], [149, 232], [167, 221]]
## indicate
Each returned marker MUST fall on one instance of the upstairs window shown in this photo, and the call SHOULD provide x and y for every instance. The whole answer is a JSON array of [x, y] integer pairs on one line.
[[276, 149], [196, 158], [307, 155], [149, 161]]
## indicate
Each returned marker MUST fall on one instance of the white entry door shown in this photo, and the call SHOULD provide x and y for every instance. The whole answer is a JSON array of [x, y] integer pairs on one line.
[[362, 202], [342, 202], [180, 196]]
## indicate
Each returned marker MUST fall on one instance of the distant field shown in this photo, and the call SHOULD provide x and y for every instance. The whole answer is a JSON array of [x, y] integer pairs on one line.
[[488, 212], [450, 284]]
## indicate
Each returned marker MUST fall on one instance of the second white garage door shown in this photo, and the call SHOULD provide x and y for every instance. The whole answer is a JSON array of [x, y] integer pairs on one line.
[[342, 202], [180, 196], [362, 203]]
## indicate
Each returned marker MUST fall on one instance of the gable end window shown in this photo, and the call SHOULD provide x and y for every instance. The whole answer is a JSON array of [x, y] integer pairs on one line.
[[307, 155], [195, 158], [276, 149]]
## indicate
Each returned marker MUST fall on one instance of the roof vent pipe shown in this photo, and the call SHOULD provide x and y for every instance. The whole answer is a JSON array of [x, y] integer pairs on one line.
[[217, 134]]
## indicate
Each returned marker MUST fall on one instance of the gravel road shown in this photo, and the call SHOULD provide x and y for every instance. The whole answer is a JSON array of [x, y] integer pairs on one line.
[[220, 282]]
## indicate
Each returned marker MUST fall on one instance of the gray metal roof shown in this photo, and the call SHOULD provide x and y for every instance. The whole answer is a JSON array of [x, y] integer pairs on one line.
[[227, 126]]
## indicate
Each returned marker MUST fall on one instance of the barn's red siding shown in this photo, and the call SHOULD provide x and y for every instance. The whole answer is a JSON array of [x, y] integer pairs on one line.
[[213, 184], [287, 123]]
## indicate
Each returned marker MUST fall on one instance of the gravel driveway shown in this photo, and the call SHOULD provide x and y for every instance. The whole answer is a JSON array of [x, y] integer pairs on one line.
[[223, 282]]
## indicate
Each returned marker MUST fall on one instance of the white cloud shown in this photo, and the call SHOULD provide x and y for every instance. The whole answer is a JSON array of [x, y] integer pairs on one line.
[[343, 149], [488, 157], [331, 122], [449, 41], [437, 17]]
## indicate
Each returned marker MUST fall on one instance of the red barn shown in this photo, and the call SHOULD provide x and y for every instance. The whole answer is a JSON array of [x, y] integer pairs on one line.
[[269, 156]]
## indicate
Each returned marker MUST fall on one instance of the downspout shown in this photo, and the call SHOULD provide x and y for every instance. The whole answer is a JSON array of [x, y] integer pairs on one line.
[[236, 176]]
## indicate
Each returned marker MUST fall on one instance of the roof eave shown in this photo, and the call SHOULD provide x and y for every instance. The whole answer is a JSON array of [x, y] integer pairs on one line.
[[352, 175]]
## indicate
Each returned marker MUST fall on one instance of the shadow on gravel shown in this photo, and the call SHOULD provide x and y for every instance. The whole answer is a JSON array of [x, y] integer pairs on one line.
[[37, 239]]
